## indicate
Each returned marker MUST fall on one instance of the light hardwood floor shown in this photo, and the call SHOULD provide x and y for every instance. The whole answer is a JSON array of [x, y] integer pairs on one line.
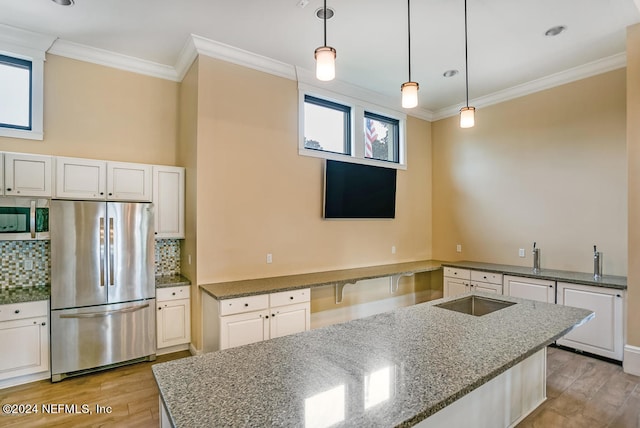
[[131, 392], [582, 392]]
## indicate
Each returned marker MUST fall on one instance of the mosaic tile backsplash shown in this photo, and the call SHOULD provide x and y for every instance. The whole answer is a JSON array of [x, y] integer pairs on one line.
[[16, 257]]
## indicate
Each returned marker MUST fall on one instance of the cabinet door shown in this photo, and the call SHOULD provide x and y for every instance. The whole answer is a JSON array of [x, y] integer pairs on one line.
[[289, 319], [168, 200], [603, 334], [81, 178], [173, 322], [242, 329], [485, 287], [27, 175], [1, 174], [455, 286], [26, 347], [530, 288], [129, 182]]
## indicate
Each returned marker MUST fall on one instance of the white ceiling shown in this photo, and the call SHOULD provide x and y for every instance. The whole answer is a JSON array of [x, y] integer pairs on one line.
[[507, 45]]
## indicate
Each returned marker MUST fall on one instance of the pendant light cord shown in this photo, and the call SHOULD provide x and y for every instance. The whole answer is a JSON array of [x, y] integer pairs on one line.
[[466, 56], [409, 34], [325, 22]]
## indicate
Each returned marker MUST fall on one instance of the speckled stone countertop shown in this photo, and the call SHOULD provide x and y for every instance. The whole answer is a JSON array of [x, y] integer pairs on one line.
[[163, 281], [608, 281], [24, 294], [248, 287], [433, 356]]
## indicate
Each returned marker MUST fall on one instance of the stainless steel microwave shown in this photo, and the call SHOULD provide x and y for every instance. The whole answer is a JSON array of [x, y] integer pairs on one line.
[[24, 219]]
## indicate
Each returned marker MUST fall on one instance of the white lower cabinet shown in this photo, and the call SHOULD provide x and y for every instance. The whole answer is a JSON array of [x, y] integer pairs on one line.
[[541, 290], [173, 319], [604, 334], [24, 335], [456, 281], [486, 282], [243, 320]]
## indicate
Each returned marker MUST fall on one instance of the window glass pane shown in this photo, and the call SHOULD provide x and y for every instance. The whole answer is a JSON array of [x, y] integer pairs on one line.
[[326, 126], [381, 137], [15, 93]]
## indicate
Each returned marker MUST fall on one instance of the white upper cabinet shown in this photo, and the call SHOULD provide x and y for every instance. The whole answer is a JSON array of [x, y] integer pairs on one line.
[[95, 179], [27, 175], [81, 178], [168, 199], [128, 181]]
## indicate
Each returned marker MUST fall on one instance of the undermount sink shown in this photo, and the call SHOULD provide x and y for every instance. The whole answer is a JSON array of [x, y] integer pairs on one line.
[[475, 305]]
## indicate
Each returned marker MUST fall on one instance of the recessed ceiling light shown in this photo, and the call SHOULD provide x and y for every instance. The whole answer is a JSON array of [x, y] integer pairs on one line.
[[320, 13], [63, 2], [554, 31], [450, 73]]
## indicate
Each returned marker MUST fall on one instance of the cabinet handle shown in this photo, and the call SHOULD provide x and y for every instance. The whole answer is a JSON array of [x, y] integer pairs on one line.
[[44, 323], [8, 189], [17, 311], [110, 194]]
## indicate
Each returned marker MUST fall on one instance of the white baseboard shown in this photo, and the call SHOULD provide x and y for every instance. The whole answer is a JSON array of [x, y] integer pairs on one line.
[[631, 360], [172, 349], [24, 379]]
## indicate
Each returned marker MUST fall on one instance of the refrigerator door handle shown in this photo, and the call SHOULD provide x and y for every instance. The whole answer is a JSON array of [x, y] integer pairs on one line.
[[111, 250], [32, 219], [105, 313], [101, 251]]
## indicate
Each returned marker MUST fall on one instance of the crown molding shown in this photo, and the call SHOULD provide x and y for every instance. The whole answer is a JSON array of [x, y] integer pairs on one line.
[[593, 68], [28, 44], [112, 59]]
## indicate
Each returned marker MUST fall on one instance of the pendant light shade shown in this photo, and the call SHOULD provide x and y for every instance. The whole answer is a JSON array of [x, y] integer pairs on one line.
[[409, 94], [467, 117], [325, 55], [467, 114], [409, 89], [325, 63]]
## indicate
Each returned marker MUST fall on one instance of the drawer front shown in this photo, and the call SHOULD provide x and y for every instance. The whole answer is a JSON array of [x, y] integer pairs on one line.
[[244, 304], [173, 293], [290, 297], [493, 278], [457, 273], [18, 311]]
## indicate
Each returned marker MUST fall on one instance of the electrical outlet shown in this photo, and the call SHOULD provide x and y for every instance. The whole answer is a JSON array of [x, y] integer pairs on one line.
[[28, 265], [458, 248], [189, 258], [521, 252], [393, 249], [269, 258]]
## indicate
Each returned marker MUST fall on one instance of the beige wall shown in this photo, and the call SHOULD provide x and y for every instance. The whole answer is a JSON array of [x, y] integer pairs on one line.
[[100, 112], [256, 195], [549, 167], [633, 155]]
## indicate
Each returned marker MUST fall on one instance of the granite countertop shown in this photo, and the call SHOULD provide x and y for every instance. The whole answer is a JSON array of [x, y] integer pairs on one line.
[[24, 294], [431, 357], [608, 281], [163, 281], [248, 287]]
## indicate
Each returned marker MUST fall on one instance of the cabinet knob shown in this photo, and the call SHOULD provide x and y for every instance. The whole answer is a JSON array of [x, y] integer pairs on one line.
[[101, 193], [173, 294], [551, 286], [617, 295], [266, 316], [291, 297], [44, 323], [110, 194], [273, 315], [160, 308], [246, 305], [8, 189], [484, 277], [17, 311], [155, 233], [472, 285]]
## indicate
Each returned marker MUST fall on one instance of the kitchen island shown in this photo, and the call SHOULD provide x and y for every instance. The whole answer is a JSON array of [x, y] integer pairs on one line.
[[398, 368]]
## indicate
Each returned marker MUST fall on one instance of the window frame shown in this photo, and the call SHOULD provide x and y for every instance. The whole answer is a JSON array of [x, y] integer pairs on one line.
[[24, 64], [357, 133], [346, 109], [396, 134]]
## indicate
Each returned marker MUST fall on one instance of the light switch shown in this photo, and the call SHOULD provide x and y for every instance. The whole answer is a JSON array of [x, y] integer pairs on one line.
[[458, 248], [521, 252]]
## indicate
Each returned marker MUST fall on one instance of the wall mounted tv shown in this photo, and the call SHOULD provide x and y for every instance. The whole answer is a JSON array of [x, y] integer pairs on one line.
[[353, 190]]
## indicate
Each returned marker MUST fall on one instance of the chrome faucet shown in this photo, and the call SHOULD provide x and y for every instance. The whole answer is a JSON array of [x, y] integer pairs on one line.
[[597, 263], [536, 259]]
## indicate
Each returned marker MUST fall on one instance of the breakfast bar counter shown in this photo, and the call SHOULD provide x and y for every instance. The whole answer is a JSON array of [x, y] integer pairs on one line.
[[395, 369]]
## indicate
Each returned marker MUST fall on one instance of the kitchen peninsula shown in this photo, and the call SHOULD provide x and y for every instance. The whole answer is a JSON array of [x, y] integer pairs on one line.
[[399, 368]]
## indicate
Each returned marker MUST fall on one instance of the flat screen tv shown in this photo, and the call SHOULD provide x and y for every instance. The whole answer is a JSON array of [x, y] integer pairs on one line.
[[353, 190]]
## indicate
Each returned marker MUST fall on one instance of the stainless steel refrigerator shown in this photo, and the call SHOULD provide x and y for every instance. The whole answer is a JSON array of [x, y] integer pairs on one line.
[[102, 285]]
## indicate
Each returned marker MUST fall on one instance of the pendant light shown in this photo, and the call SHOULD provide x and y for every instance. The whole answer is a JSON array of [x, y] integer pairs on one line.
[[409, 89], [467, 114], [325, 55]]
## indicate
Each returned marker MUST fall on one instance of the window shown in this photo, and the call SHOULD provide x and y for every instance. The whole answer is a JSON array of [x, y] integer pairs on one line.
[[381, 137], [327, 126], [338, 127], [15, 93]]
